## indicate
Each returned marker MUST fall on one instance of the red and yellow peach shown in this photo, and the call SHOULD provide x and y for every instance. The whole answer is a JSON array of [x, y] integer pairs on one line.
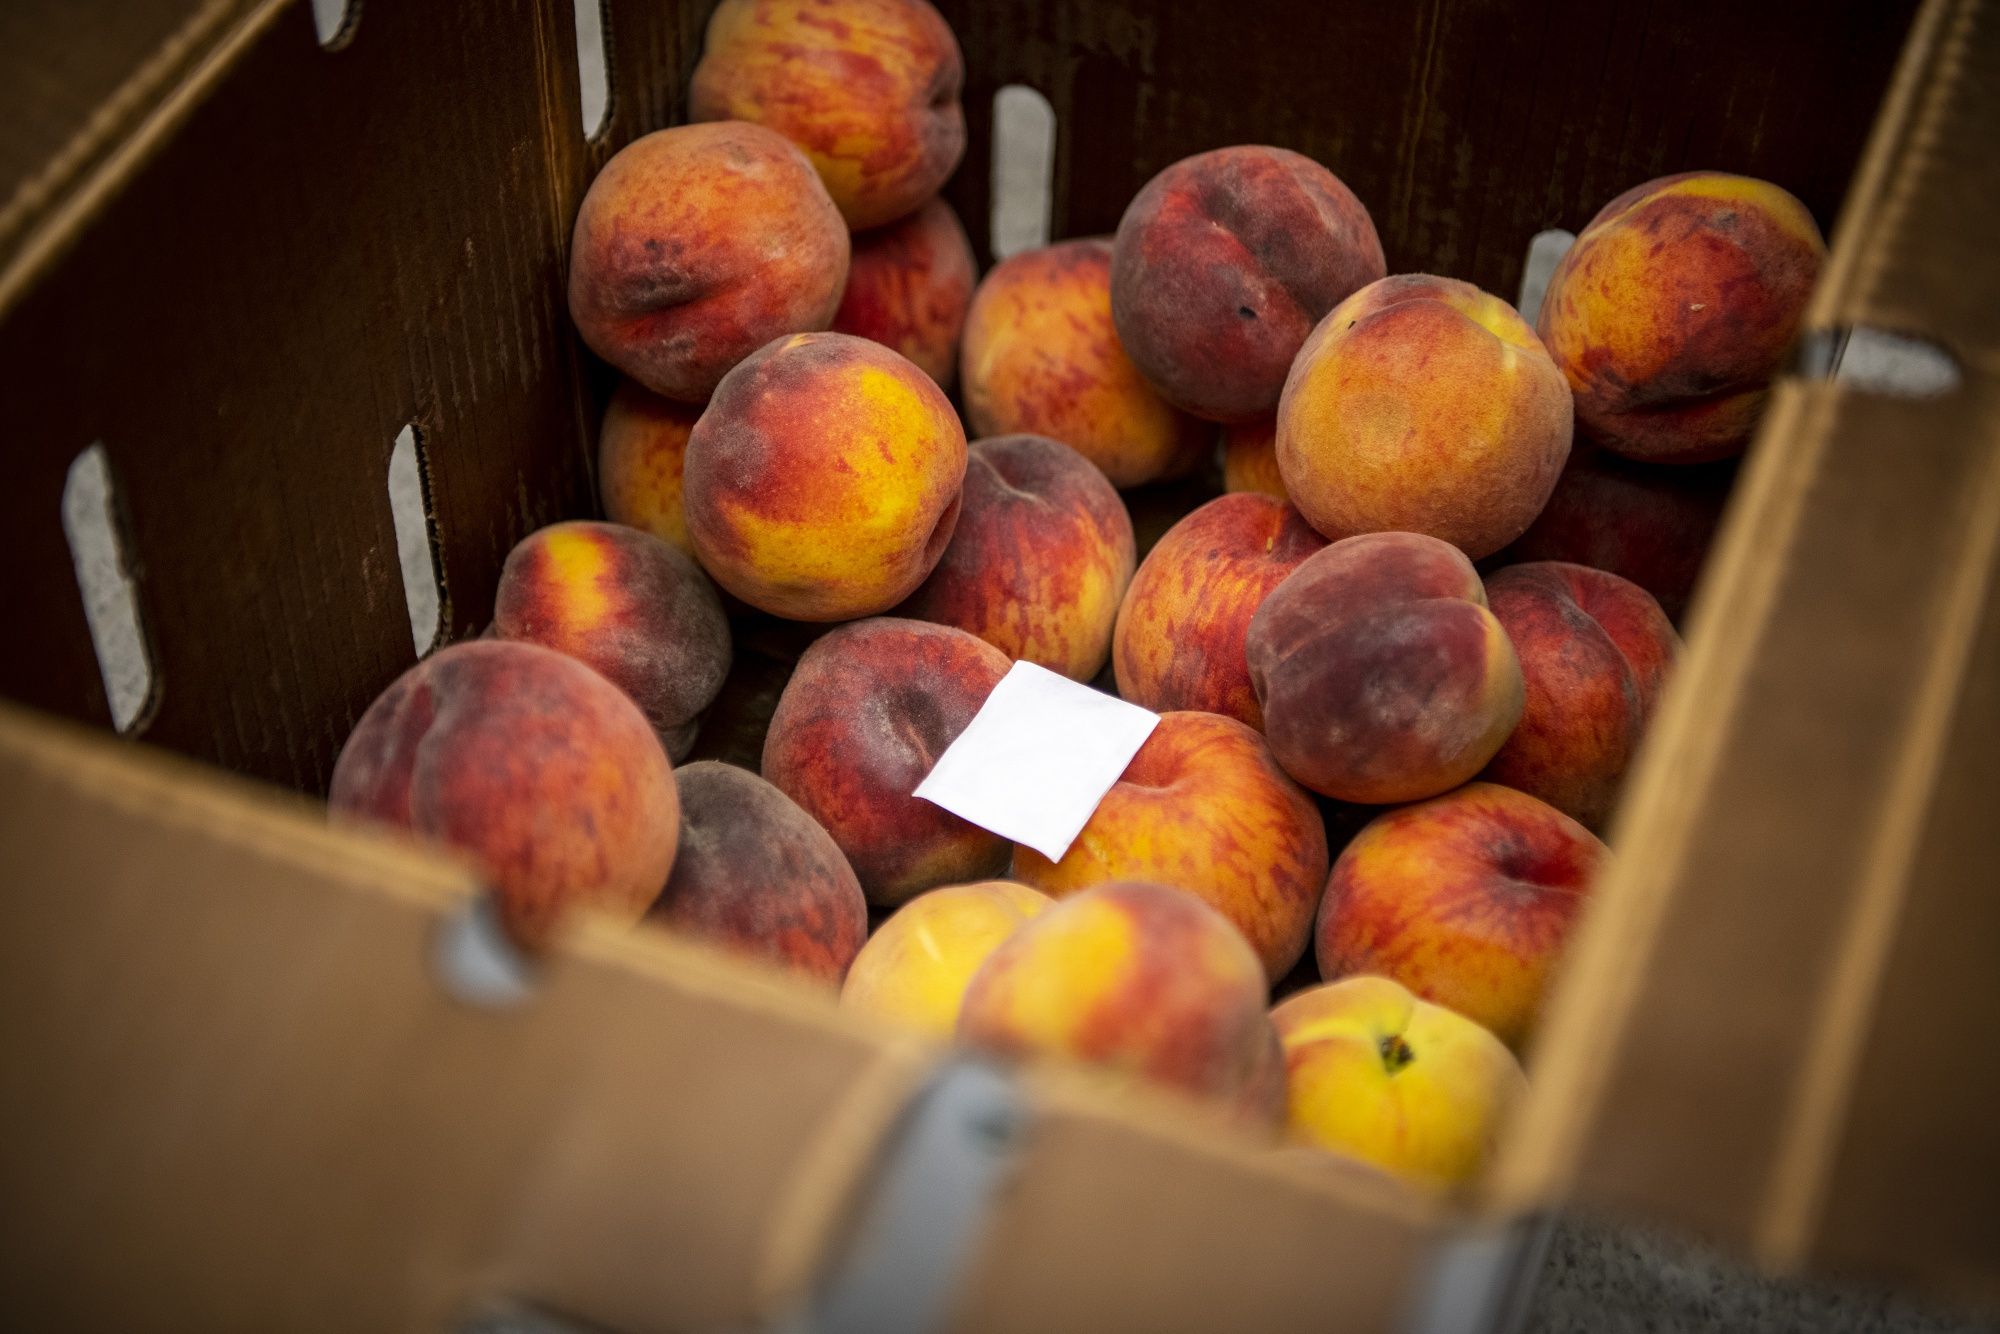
[[1674, 309], [867, 88], [1179, 638], [822, 484], [909, 286], [865, 715], [1203, 807], [1250, 458], [1423, 405], [1222, 265], [698, 245], [1383, 676], [1041, 357], [640, 450], [541, 771]]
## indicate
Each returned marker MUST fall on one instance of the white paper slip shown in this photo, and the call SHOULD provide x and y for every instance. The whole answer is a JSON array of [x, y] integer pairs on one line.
[[1037, 758]]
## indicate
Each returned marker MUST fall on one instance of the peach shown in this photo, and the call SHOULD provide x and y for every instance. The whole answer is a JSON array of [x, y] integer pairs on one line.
[[822, 484], [640, 449], [908, 287], [698, 245], [1465, 899], [1180, 633], [1674, 309], [758, 877], [1595, 651], [1382, 674], [1204, 807], [1423, 405], [1039, 560], [1250, 458], [1372, 1071], [1141, 980], [916, 967], [868, 88], [1041, 356], [541, 771], [866, 714], [1650, 523], [632, 607], [1224, 262]]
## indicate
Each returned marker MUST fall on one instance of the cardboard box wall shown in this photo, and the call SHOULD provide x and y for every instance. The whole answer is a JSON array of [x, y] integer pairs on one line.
[[238, 1096]]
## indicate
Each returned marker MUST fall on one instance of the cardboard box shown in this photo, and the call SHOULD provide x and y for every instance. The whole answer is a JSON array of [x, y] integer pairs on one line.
[[239, 1090]]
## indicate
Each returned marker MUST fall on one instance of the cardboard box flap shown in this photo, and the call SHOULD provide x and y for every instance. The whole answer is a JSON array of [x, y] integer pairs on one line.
[[1793, 845], [236, 1097]]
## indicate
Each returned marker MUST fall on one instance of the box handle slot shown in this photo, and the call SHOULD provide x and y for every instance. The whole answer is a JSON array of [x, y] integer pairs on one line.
[[593, 65], [1545, 251], [476, 963], [1024, 161], [1877, 361], [334, 21], [416, 539], [97, 545]]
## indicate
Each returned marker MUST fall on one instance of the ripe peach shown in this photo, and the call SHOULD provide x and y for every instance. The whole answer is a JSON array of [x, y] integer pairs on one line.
[[532, 764], [1041, 356], [1382, 675], [1423, 405], [1465, 899], [1650, 523], [1139, 979], [1674, 309], [1250, 458], [1223, 264], [1203, 807], [1039, 560], [823, 482], [868, 88], [908, 287], [1179, 639], [696, 246], [756, 876], [1372, 1071], [629, 605], [917, 965], [640, 449], [1595, 651], [866, 714]]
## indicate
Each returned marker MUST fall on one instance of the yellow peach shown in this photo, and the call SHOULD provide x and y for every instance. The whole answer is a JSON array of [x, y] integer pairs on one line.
[[917, 965]]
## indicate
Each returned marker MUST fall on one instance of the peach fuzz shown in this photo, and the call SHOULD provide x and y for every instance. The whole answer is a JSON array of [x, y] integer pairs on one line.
[[696, 246], [822, 484], [1040, 559], [757, 877], [640, 450], [1180, 633], [1372, 1071], [541, 771], [865, 715], [1222, 265], [1204, 807], [1465, 899], [632, 607], [1141, 980], [1382, 674], [867, 88], [914, 970], [1423, 405], [1040, 356], [1674, 309], [1250, 458], [909, 286], [1595, 652]]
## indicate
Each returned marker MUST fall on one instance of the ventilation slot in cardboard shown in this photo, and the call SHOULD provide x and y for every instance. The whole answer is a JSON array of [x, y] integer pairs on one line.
[[110, 597], [1024, 159], [1876, 361], [334, 21], [416, 541], [1545, 251], [593, 68]]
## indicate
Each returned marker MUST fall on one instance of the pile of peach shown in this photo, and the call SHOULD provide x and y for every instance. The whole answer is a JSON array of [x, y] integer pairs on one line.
[[1365, 748]]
